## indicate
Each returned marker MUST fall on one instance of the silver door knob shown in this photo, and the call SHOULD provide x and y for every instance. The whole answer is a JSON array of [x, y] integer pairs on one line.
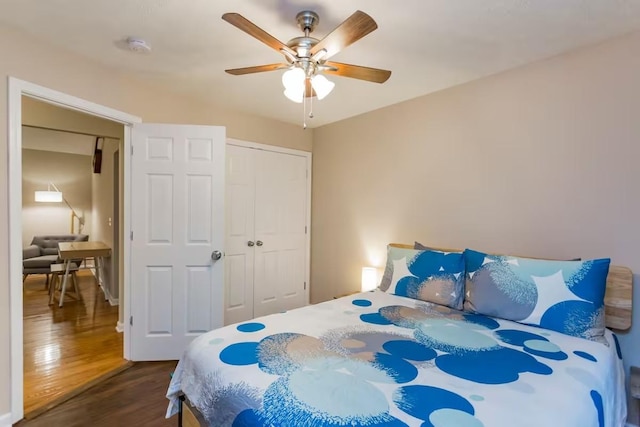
[[259, 243], [216, 255], [250, 243]]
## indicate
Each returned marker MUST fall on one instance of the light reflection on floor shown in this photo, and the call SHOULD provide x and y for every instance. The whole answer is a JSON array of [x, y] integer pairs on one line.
[[47, 355]]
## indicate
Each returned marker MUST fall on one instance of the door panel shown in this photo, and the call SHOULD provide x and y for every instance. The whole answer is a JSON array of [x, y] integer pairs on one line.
[[198, 297], [235, 272], [266, 293], [199, 209], [279, 279], [177, 222], [160, 212], [239, 257], [159, 289]]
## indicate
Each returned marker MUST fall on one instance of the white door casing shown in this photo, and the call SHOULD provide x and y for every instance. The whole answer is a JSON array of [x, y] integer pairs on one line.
[[178, 174], [240, 242], [16, 90]]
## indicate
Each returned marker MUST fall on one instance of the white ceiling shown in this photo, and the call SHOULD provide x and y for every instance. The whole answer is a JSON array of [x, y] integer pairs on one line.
[[428, 44]]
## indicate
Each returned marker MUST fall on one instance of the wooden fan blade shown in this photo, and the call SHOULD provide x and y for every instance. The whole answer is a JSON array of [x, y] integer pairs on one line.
[[256, 69], [253, 30], [375, 75], [351, 30]]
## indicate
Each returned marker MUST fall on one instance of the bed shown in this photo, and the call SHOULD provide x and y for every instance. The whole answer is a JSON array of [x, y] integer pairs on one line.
[[381, 359]]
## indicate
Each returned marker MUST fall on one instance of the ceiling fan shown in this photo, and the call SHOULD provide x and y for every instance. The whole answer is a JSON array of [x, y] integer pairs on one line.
[[307, 58]]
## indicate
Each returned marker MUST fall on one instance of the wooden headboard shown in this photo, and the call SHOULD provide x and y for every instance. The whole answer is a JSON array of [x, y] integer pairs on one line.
[[617, 299]]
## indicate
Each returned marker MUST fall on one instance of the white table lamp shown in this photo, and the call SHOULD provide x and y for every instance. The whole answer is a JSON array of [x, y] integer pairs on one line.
[[369, 278]]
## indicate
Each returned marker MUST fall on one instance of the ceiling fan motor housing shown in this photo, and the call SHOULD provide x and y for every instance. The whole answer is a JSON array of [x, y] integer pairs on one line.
[[302, 45], [307, 21]]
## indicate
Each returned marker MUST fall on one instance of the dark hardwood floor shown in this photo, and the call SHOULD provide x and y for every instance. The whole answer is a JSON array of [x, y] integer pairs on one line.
[[134, 397]]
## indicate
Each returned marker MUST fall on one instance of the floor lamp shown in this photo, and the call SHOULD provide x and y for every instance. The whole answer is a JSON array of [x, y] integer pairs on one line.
[[55, 196]]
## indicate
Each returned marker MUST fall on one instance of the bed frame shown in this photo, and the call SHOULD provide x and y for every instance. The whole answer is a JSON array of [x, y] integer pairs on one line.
[[617, 301], [188, 415]]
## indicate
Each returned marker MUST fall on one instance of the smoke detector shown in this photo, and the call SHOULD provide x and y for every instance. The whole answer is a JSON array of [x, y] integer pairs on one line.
[[137, 45]]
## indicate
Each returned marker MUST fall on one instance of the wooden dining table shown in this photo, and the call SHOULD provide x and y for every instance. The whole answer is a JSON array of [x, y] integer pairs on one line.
[[68, 251]]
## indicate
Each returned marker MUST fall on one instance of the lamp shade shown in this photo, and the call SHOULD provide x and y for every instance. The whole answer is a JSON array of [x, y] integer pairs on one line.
[[295, 95], [322, 85], [48, 196], [293, 79], [369, 279]]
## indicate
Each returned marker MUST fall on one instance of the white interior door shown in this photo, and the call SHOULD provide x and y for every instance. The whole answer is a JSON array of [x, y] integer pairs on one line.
[[177, 210], [280, 232], [240, 242]]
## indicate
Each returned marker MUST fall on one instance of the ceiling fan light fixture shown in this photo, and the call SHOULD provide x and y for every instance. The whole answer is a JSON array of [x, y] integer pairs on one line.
[[293, 79], [322, 86], [306, 57], [295, 95]]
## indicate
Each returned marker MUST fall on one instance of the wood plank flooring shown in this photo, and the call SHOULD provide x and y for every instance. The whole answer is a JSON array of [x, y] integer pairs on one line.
[[134, 397], [68, 347]]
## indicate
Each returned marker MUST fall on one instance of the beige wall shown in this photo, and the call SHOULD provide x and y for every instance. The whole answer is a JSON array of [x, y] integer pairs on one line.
[[35, 61], [71, 173], [542, 160]]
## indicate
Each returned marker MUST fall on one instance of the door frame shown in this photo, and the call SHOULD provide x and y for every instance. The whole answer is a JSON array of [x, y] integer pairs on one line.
[[16, 89], [309, 157], [115, 236]]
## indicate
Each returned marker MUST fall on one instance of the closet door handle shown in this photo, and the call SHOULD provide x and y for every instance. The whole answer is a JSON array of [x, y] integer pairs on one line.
[[250, 243], [259, 243]]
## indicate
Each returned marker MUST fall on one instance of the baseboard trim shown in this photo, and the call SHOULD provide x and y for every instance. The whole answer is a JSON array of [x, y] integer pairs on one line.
[[5, 420], [120, 327], [113, 301], [107, 295]]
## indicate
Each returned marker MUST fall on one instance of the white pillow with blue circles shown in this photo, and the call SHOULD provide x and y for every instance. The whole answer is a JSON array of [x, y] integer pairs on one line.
[[564, 296], [427, 275]]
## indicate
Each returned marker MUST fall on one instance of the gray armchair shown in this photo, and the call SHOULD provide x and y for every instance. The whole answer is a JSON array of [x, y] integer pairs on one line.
[[43, 251]]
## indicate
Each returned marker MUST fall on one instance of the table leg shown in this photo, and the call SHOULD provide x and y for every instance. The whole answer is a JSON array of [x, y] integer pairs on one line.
[[98, 262], [99, 272], [67, 263]]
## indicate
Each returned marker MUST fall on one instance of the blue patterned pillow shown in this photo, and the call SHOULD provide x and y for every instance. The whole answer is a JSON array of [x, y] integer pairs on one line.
[[564, 296], [431, 276]]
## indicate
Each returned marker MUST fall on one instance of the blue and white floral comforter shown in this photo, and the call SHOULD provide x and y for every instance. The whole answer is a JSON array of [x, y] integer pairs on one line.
[[376, 359]]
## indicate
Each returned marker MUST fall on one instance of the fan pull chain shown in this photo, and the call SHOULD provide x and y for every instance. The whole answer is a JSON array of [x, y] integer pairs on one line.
[[304, 111], [311, 105]]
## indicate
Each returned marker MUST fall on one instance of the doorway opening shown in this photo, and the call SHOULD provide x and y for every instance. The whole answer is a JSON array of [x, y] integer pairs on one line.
[[68, 345], [18, 91]]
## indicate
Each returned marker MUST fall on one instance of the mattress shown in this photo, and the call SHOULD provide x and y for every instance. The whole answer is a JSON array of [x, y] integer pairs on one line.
[[376, 359]]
